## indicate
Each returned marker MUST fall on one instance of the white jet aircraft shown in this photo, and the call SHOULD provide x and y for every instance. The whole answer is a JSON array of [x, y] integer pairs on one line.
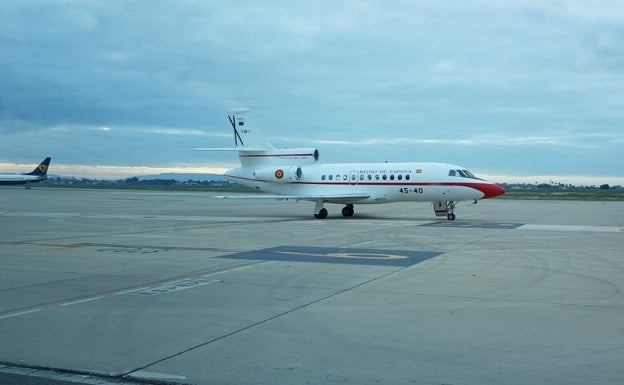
[[37, 175], [294, 173]]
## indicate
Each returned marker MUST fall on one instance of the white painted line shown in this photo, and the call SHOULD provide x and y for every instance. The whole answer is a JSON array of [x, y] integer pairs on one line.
[[360, 244], [176, 286], [20, 313], [596, 229], [155, 375], [217, 273], [242, 268], [80, 301], [133, 290], [52, 375]]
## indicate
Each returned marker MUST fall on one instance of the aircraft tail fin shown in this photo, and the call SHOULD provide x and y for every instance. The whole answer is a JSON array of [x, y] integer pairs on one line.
[[246, 136], [42, 169], [254, 149]]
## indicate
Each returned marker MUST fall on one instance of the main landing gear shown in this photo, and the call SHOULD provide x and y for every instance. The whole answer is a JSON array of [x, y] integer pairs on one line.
[[348, 211], [321, 213]]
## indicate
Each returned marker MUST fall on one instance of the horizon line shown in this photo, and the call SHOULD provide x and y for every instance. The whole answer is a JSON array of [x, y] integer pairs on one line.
[[124, 172]]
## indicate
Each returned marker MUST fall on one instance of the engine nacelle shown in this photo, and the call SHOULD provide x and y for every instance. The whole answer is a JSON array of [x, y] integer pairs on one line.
[[284, 174]]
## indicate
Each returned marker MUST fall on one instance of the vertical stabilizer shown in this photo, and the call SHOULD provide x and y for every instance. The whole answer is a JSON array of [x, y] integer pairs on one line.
[[42, 169], [247, 137], [255, 151]]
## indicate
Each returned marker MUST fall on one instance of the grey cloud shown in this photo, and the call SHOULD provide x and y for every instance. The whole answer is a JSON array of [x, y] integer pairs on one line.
[[329, 71]]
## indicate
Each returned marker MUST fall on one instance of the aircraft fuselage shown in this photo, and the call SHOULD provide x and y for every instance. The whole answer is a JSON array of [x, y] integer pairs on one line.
[[382, 182]]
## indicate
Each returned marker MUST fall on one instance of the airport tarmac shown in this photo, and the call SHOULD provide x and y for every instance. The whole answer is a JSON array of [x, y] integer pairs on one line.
[[102, 286]]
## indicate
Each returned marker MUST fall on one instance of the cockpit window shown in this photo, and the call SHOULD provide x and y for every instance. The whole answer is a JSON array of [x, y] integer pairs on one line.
[[462, 174]]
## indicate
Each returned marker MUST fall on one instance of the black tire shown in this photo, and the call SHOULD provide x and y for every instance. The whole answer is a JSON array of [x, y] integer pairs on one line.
[[451, 217], [347, 211], [321, 214]]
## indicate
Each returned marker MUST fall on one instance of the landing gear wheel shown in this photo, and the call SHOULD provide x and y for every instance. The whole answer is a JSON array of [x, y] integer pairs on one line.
[[451, 217], [348, 211], [322, 214]]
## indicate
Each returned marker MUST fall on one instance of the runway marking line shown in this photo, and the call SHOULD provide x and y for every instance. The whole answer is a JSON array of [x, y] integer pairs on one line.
[[353, 256], [81, 301], [19, 313], [217, 273], [572, 228], [132, 290], [176, 286], [118, 291], [145, 375], [473, 225], [348, 255]]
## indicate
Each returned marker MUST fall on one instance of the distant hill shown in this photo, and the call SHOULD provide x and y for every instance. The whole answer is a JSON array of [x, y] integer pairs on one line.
[[183, 177]]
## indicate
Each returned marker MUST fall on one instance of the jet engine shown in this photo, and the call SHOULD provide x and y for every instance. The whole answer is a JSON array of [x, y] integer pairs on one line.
[[285, 174]]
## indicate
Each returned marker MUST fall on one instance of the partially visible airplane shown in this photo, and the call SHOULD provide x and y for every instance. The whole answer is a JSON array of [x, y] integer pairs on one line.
[[295, 174], [36, 175]]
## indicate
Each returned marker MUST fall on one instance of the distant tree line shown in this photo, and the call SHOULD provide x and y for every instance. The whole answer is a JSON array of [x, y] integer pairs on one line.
[[556, 186], [135, 181]]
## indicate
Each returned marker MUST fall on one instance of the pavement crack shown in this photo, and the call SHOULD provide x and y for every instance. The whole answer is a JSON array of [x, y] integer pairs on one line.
[[264, 321]]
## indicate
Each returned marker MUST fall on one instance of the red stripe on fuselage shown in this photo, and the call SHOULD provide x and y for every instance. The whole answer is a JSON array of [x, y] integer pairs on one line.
[[488, 190]]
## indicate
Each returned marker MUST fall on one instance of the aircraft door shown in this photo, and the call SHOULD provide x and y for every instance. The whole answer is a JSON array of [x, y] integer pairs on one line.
[[353, 178]]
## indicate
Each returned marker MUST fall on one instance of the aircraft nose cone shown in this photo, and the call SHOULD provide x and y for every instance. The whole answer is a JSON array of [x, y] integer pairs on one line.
[[492, 190]]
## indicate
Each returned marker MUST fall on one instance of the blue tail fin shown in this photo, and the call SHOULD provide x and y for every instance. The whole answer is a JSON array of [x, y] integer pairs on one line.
[[42, 169]]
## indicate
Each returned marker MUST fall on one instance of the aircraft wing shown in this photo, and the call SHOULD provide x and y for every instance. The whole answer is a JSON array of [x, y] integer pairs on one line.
[[327, 197]]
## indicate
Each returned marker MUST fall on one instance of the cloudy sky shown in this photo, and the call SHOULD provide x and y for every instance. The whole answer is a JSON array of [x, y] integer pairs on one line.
[[507, 89]]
